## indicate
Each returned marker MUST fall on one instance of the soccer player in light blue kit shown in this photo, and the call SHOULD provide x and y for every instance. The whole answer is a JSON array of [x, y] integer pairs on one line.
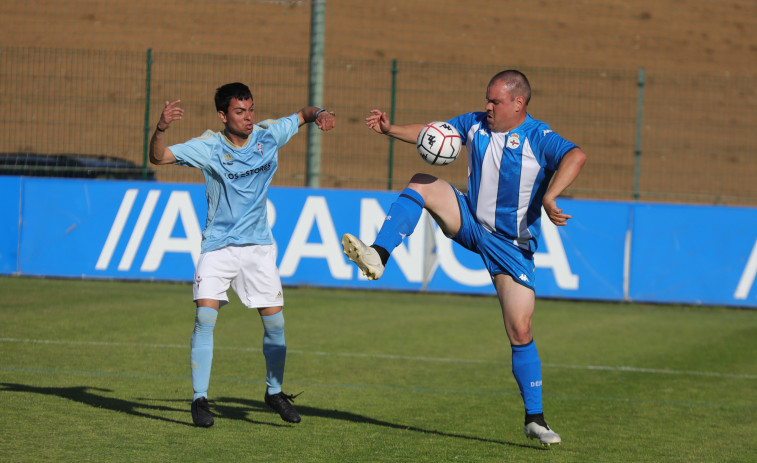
[[511, 159], [237, 245]]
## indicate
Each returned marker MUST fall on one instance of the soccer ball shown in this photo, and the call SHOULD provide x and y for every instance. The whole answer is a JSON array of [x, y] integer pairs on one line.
[[439, 143]]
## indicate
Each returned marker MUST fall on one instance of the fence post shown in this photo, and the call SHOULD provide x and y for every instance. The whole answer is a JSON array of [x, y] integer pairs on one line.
[[317, 34], [637, 152], [147, 114], [390, 176]]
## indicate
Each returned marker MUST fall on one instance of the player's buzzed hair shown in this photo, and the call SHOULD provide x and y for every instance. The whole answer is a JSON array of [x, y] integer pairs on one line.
[[516, 83], [225, 93]]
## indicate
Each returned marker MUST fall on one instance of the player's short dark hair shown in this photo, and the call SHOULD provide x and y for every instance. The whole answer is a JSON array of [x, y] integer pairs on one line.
[[225, 93], [516, 82]]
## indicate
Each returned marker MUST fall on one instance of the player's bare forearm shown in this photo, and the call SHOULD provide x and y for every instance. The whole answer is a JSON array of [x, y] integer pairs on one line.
[[379, 122], [159, 152], [570, 167], [407, 133]]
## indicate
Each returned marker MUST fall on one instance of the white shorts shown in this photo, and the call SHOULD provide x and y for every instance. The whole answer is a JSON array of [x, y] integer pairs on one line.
[[250, 270]]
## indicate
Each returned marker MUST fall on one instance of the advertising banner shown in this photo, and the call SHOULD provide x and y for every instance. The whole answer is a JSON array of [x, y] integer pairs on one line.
[[152, 231], [10, 192], [696, 254]]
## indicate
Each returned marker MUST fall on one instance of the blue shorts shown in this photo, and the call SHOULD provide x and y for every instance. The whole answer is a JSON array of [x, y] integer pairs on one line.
[[499, 253]]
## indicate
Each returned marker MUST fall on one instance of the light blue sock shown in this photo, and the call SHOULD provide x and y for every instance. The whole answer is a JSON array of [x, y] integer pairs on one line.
[[527, 372], [403, 216], [201, 355], [274, 350]]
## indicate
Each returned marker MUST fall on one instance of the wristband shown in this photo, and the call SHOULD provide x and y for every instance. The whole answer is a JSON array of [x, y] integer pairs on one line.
[[157, 127], [319, 112]]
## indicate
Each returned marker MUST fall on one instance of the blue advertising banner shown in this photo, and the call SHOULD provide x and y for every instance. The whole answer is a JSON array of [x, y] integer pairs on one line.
[[694, 254], [151, 231], [99, 229], [10, 192]]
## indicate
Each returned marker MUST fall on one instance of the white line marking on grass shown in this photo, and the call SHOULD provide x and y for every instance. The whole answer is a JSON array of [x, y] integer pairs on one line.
[[651, 370], [626, 369]]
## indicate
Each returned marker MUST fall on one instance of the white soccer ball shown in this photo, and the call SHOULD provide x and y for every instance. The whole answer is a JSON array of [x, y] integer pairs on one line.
[[439, 143]]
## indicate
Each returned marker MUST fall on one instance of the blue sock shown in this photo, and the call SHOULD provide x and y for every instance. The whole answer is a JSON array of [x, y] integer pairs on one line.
[[527, 372], [274, 350], [403, 216], [201, 355]]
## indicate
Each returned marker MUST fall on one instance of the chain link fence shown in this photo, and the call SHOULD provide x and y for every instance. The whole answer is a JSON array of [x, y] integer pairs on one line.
[[663, 137]]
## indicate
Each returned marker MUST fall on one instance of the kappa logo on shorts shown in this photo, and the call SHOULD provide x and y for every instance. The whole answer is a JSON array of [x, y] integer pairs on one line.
[[523, 277]]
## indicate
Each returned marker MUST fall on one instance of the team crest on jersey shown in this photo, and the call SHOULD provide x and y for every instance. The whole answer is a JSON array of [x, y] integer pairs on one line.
[[227, 159], [513, 141]]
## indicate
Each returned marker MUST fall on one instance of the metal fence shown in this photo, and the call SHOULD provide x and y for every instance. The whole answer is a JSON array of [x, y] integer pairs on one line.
[[653, 137]]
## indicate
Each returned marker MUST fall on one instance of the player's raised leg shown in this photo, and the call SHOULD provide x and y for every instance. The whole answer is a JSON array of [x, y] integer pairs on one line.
[[423, 191], [403, 216]]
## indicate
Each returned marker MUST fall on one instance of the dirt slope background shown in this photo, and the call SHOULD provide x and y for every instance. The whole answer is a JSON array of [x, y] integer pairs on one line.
[[700, 142], [676, 34]]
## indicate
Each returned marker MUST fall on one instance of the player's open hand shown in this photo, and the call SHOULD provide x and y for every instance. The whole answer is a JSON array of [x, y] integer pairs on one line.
[[555, 215], [378, 121], [171, 112], [325, 120]]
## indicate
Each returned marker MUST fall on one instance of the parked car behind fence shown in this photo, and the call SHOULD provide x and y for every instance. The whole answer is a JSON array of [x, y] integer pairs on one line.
[[72, 166]]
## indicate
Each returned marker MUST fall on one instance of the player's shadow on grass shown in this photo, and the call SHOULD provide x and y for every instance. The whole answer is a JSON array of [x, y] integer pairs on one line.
[[90, 396], [224, 409]]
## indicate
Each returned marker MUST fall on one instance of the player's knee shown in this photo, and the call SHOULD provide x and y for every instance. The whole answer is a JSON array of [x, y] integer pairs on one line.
[[421, 182], [520, 335]]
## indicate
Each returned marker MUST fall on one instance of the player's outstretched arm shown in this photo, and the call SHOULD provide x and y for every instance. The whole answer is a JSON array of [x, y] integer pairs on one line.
[[323, 119], [379, 122], [570, 166], [159, 152]]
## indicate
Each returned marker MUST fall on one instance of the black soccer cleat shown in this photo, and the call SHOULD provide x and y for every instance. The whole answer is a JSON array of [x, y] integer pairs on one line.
[[282, 404], [201, 413]]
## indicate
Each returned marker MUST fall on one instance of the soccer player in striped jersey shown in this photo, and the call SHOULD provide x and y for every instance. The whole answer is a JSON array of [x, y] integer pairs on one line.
[[516, 166], [237, 244]]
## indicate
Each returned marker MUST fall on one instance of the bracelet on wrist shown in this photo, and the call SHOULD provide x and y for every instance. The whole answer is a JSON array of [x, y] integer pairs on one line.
[[319, 112], [159, 129]]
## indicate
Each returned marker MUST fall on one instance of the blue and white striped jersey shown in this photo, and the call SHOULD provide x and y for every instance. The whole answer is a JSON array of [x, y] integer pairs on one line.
[[237, 180], [508, 174]]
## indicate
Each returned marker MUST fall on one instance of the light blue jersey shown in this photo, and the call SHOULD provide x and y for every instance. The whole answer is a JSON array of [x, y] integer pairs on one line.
[[237, 180], [508, 174]]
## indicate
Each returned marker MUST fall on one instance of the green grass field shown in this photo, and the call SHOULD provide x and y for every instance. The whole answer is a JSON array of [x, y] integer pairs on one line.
[[98, 371]]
